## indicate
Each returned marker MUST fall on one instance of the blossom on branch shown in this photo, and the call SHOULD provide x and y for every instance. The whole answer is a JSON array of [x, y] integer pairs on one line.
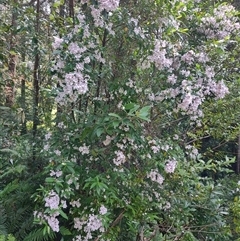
[[170, 166], [109, 5]]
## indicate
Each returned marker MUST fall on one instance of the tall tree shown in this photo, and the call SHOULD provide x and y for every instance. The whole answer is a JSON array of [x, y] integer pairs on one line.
[[10, 82], [36, 71]]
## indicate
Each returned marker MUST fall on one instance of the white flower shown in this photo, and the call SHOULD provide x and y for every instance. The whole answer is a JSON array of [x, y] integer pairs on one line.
[[170, 166], [120, 158], [57, 152], [156, 177], [103, 210], [48, 136], [53, 223], [64, 203], [107, 141], [84, 149], [155, 149], [52, 201], [46, 147], [167, 206], [57, 42], [75, 203], [58, 173], [78, 223], [109, 5]]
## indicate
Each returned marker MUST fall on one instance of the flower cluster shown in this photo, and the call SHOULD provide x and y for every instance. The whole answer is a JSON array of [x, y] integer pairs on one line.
[[75, 203], [159, 56], [108, 140], [154, 146], [189, 88], [51, 219], [155, 176], [120, 158], [90, 224], [52, 200], [174, 78], [103, 210], [84, 149], [221, 24], [57, 173], [191, 151], [170, 166], [73, 82], [109, 5]]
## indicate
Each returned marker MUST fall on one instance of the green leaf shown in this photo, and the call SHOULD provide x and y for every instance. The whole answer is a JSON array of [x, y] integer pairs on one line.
[[143, 118], [70, 169], [132, 108], [93, 185], [20, 168], [65, 231], [115, 124], [9, 151], [144, 113], [145, 110], [63, 214], [99, 131], [50, 180], [57, 4], [115, 115], [4, 108], [129, 106], [12, 52]]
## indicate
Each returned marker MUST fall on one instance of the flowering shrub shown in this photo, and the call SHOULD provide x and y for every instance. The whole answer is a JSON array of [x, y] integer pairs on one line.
[[134, 80]]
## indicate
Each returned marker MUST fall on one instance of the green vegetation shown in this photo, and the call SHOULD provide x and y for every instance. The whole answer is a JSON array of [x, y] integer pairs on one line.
[[119, 120]]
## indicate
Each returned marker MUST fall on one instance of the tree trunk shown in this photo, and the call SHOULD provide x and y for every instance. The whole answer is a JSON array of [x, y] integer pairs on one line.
[[62, 15], [23, 106], [238, 157], [71, 9], [36, 81], [10, 82]]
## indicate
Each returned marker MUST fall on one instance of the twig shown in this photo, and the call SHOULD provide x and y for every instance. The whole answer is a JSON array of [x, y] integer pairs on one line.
[[178, 237], [114, 223], [153, 233]]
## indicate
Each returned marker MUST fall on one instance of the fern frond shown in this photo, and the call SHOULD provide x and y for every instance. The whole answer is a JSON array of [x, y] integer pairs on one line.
[[40, 235], [12, 186], [25, 228], [3, 218]]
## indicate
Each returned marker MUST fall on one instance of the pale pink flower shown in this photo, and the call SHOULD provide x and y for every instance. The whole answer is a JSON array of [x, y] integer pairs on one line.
[[64, 203], [58, 173], [109, 5], [103, 210], [119, 159], [221, 90], [78, 223], [53, 223], [57, 42], [75, 203], [107, 141], [155, 149], [52, 200], [57, 152], [48, 136], [170, 166], [46, 147], [156, 177], [84, 149]]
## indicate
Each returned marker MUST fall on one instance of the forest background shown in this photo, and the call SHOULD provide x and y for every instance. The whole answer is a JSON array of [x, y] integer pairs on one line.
[[119, 120]]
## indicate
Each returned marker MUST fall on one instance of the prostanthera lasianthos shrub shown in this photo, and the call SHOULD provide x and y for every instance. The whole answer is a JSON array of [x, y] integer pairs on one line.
[[130, 79]]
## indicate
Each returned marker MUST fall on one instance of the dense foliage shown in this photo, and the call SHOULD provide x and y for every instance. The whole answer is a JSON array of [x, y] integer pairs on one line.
[[112, 119]]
